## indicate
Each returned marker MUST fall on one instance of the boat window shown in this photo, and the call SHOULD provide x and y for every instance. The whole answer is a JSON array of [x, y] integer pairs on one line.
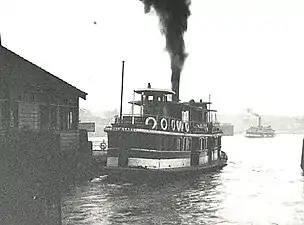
[[165, 143], [179, 144], [202, 142], [159, 99], [150, 97], [145, 141], [215, 141], [172, 143], [205, 143], [169, 97], [187, 144]]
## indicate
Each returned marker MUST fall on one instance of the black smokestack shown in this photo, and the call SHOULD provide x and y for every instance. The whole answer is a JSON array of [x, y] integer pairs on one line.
[[173, 16]]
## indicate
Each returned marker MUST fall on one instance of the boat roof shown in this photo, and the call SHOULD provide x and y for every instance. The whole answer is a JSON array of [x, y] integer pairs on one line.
[[154, 90]]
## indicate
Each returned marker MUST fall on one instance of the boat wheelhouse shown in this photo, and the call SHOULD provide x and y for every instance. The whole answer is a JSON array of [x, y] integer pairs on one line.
[[166, 136]]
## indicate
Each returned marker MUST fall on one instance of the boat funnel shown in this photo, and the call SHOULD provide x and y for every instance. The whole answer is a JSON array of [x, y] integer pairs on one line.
[[175, 79]]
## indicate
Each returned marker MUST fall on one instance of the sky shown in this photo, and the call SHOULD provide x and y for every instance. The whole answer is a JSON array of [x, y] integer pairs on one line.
[[245, 53]]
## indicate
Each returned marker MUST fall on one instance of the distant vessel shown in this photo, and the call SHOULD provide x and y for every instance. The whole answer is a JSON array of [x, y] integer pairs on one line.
[[167, 138], [227, 129], [259, 131]]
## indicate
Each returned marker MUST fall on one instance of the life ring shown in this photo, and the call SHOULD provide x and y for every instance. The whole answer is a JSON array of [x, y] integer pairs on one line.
[[154, 122], [173, 125], [164, 127], [179, 125], [187, 127], [103, 146]]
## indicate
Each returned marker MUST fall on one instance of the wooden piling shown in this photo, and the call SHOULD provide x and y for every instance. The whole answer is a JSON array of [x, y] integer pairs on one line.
[[302, 159]]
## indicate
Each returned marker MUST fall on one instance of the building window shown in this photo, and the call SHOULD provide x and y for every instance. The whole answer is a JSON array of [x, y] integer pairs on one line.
[[63, 118], [4, 115], [53, 117], [73, 118]]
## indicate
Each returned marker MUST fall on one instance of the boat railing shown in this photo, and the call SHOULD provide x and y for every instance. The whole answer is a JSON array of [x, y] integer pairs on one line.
[[139, 121], [209, 127]]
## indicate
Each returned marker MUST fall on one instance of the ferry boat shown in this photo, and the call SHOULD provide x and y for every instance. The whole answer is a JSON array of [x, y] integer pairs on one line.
[[167, 138], [260, 131]]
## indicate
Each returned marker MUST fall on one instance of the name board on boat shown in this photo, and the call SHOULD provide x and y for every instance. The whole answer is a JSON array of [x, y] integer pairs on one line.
[[89, 127], [167, 124]]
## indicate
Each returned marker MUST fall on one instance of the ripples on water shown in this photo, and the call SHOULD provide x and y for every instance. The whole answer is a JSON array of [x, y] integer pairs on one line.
[[262, 184]]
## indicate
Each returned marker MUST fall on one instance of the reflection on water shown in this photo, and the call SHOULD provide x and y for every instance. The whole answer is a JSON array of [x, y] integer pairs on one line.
[[262, 184]]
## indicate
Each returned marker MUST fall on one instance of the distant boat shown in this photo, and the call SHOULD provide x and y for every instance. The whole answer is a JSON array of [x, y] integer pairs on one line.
[[260, 131]]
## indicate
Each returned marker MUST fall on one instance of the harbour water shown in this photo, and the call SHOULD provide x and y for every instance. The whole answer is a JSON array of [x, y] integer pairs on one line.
[[262, 184]]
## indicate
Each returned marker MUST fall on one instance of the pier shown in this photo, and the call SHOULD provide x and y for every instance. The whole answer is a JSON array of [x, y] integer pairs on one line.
[[42, 148]]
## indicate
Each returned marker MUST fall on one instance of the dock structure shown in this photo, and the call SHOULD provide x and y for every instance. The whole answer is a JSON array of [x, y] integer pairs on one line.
[[40, 141]]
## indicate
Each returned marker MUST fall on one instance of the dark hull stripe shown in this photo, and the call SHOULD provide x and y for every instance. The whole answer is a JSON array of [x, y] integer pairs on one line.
[[146, 154], [146, 131]]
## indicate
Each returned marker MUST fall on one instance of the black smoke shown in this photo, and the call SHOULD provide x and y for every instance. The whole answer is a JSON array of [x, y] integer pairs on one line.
[[173, 16]]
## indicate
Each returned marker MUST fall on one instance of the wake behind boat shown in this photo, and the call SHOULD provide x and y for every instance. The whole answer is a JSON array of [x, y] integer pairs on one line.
[[166, 138]]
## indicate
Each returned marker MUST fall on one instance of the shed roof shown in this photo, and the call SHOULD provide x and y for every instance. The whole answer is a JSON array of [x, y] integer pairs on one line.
[[11, 62]]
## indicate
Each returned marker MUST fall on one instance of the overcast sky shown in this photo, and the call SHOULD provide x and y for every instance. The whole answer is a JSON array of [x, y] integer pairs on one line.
[[246, 54]]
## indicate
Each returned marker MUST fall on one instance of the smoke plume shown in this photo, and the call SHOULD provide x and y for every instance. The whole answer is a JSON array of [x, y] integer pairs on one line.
[[250, 111], [173, 16]]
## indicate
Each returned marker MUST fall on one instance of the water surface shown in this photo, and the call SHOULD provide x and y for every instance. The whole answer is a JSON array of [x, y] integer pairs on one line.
[[262, 184]]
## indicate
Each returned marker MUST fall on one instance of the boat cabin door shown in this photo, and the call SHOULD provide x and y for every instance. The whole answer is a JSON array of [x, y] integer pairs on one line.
[[194, 152], [122, 152]]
